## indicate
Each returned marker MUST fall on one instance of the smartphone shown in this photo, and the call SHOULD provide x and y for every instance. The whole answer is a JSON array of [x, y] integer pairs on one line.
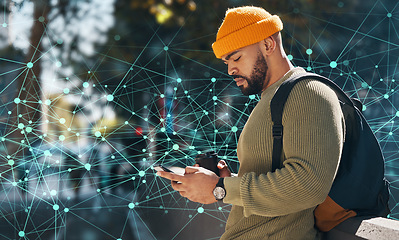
[[162, 168]]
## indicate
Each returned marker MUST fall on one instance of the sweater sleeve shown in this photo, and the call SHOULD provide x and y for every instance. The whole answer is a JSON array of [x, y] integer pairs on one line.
[[312, 145]]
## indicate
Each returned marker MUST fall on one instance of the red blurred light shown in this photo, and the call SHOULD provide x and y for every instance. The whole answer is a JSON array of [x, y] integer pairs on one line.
[[139, 131]]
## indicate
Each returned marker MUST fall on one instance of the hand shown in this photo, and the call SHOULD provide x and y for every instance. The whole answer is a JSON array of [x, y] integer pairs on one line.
[[197, 184], [223, 169]]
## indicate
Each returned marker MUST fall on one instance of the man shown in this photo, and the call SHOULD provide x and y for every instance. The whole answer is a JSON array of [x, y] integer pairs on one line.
[[280, 204]]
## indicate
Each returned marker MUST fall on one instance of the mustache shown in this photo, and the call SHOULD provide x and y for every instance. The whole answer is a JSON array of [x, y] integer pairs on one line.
[[239, 76]]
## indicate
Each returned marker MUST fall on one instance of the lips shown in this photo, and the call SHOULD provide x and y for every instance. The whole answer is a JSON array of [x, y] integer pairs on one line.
[[239, 81]]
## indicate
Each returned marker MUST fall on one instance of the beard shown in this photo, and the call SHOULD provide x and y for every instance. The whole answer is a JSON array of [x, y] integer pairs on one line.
[[257, 79]]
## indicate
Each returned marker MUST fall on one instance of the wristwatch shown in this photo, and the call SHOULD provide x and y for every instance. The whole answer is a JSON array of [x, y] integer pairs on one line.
[[219, 192]]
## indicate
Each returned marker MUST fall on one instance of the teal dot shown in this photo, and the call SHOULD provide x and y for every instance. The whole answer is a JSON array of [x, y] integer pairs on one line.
[[47, 153], [11, 162], [60, 41], [85, 84], [397, 113], [66, 209], [48, 102], [62, 120], [131, 205], [166, 48], [178, 80], [389, 15], [200, 210], [141, 173], [21, 126], [66, 90], [214, 98], [390, 133], [364, 108], [175, 147], [364, 85], [4, 24], [58, 64], [110, 98], [97, 134], [17, 100], [341, 4], [251, 97], [29, 65], [117, 37], [333, 64], [386, 96], [163, 129], [234, 129], [56, 207], [213, 79], [88, 166], [290, 57], [309, 51], [21, 234], [309, 69], [61, 137], [41, 19], [162, 95]]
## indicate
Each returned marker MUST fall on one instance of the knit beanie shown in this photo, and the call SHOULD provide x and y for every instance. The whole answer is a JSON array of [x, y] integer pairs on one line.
[[244, 26]]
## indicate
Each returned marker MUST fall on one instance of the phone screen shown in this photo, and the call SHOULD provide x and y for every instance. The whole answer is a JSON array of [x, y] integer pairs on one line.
[[162, 168]]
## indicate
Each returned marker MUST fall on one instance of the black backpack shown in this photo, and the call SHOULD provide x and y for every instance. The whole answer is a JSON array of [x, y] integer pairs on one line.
[[359, 188]]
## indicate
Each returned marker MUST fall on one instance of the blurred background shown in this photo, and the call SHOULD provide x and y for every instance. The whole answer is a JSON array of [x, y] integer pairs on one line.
[[93, 93]]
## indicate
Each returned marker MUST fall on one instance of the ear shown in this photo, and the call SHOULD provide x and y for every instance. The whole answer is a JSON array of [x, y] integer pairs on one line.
[[269, 45]]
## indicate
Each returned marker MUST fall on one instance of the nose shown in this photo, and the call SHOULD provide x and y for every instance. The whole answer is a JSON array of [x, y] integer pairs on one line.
[[232, 70]]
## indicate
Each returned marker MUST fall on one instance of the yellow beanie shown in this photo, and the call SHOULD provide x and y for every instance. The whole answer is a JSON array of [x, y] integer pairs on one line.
[[244, 26]]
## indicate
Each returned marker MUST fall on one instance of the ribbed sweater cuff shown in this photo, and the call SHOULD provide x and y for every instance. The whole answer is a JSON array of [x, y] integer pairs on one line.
[[232, 186]]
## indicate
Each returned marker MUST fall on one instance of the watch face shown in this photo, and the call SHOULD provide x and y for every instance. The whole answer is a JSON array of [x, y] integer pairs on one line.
[[219, 193]]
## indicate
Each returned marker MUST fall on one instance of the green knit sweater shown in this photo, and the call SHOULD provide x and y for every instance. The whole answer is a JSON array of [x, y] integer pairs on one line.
[[280, 205]]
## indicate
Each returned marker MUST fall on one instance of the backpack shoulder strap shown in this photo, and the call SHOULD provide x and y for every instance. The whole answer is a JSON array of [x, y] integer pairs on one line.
[[277, 106]]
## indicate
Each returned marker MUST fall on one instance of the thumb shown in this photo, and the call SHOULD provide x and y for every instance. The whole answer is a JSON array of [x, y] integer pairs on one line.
[[190, 170], [223, 169], [222, 164]]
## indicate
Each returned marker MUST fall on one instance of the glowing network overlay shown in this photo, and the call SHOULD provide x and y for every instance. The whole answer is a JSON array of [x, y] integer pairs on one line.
[[96, 143]]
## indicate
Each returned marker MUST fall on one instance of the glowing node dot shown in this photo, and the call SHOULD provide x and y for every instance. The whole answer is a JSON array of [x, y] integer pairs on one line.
[[29, 65], [10, 162], [333, 64], [131, 205], [48, 102], [309, 69], [97, 134], [17, 100], [178, 80], [162, 95], [213, 79], [386, 96], [390, 133], [389, 15], [175, 147], [309, 51], [85, 84], [53, 192], [58, 64], [61, 137], [234, 129], [56, 207], [41, 19], [21, 234], [28, 129], [47, 153], [62, 120], [88, 166], [4, 24], [200, 210], [141, 173], [397, 113], [66, 90], [110, 98], [117, 37], [364, 108], [21, 126], [252, 97], [166, 48], [290, 57], [214, 98], [66, 210]]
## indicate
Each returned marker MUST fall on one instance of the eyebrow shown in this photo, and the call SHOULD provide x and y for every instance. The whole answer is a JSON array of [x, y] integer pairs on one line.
[[230, 55]]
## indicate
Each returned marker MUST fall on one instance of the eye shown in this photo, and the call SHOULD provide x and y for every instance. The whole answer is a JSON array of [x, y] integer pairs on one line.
[[236, 60]]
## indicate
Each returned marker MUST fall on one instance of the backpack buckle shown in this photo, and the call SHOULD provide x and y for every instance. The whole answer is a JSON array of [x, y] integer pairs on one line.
[[278, 131]]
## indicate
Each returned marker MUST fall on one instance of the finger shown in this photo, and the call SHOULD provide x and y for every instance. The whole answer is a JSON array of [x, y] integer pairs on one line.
[[177, 186], [222, 164], [189, 170], [196, 165], [171, 176], [182, 193]]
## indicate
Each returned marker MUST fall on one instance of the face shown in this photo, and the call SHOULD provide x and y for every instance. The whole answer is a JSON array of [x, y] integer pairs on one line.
[[248, 67]]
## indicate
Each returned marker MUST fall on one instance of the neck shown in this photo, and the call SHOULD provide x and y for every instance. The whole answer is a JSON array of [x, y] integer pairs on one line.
[[278, 66]]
